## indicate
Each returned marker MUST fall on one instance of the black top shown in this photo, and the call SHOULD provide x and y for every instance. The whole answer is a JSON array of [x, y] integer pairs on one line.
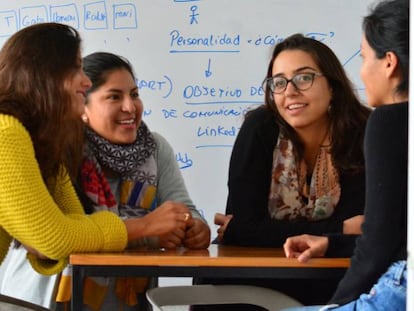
[[384, 238], [249, 186]]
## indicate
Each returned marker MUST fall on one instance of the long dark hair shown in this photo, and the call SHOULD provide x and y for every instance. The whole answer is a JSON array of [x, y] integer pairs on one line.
[[386, 29], [34, 64], [347, 115]]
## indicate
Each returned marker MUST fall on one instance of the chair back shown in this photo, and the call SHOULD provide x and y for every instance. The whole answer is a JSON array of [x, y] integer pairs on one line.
[[269, 299]]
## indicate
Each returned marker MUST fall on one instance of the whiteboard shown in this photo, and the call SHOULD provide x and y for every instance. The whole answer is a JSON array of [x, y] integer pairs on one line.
[[199, 63]]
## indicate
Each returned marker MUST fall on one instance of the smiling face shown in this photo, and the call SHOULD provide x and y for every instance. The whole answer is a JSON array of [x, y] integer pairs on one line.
[[114, 110], [302, 109]]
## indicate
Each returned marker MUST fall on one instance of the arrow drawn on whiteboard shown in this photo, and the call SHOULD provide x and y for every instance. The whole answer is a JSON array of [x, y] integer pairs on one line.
[[208, 73]]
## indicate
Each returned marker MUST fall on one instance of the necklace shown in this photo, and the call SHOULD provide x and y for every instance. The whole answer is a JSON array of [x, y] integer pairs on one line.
[[319, 175]]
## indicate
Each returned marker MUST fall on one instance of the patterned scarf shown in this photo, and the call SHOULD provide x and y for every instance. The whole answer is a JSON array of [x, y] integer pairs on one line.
[[291, 195], [134, 163], [136, 166]]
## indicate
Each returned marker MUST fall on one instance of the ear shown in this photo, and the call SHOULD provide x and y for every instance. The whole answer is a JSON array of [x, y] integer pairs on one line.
[[391, 64]]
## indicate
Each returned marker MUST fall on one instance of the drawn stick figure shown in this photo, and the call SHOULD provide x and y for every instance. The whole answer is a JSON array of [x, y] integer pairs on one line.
[[194, 15]]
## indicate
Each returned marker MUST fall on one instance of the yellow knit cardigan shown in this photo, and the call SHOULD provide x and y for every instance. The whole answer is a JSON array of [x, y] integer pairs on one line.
[[53, 224]]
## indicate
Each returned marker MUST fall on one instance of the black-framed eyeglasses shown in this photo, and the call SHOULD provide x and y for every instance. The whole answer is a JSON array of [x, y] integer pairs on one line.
[[301, 81]]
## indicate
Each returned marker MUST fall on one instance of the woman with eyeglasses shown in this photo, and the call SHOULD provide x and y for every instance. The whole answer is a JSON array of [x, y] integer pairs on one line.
[[297, 164], [377, 277]]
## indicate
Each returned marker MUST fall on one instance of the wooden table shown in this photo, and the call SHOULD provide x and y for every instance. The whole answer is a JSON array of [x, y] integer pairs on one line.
[[216, 261]]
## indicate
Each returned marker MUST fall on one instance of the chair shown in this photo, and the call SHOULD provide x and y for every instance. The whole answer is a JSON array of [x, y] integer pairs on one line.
[[219, 294], [8, 303]]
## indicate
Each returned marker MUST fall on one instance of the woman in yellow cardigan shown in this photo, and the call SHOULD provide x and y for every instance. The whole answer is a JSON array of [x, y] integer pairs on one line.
[[42, 96]]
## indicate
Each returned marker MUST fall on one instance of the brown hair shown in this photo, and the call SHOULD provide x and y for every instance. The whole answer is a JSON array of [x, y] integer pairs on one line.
[[34, 64]]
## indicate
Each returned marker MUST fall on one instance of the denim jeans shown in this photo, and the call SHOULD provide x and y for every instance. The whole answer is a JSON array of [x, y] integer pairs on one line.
[[389, 293]]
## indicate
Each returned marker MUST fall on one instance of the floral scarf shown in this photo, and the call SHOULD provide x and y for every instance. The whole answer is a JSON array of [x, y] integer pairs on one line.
[[292, 196]]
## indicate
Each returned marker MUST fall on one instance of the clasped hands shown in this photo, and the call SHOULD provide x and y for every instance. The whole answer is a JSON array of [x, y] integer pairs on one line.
[[177, 227]]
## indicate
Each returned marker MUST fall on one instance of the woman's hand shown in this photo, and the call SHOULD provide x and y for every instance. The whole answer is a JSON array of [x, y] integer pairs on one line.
[[165, 219], [197, 234], [303, 247], [353, 225], [172, 240], [222, 221]]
